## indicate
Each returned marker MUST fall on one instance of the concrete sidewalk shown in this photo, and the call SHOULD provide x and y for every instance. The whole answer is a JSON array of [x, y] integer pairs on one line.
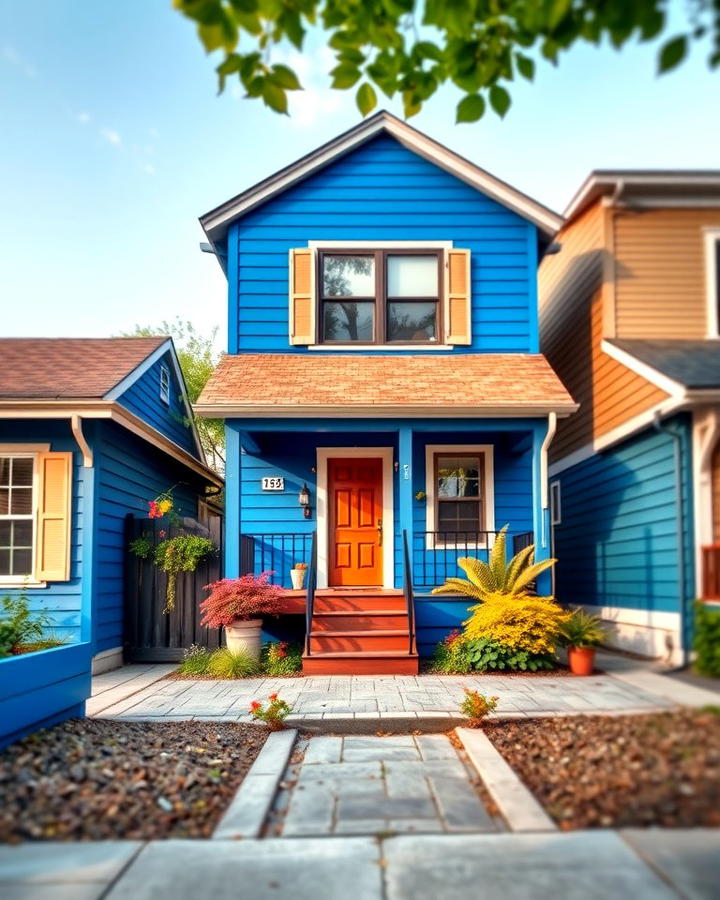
[[584, 865]]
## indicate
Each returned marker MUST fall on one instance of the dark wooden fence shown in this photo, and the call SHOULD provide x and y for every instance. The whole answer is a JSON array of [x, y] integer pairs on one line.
[[150, 634]]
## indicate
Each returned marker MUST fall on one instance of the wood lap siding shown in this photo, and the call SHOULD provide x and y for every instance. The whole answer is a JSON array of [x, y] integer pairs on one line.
[[383, 192], [661, 272]]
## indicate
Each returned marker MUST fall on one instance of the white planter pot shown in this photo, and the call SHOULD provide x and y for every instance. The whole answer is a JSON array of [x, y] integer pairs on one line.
[[297, 576], [244, 637]]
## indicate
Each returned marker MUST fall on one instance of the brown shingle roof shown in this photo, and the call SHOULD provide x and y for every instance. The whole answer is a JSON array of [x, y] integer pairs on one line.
[[447, 382], [57, 368]]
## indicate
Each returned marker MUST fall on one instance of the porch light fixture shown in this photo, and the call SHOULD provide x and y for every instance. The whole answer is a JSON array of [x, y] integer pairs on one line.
[[304, 501]]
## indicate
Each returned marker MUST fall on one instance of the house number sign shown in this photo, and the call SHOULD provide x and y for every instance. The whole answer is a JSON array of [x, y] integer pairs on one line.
[[273, 483]]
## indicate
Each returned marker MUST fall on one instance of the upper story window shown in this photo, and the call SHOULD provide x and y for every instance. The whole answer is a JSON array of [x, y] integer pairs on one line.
[[17, 525], [380, 296], [165, 384], [712, 280]]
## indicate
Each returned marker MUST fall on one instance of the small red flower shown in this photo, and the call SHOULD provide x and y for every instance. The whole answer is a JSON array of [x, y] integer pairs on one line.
[[255, 706], [273, 697], [162, 533]]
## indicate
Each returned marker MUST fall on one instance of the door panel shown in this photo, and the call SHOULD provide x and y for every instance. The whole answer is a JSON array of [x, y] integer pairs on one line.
[[356, 512]]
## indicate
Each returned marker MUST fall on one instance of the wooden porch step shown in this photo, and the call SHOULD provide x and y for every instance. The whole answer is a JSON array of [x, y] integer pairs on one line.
[[359, 641], [361, 663], [359, 620]]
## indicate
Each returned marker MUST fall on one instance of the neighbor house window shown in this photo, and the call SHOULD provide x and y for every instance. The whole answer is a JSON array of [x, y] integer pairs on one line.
[[165, 384], [712, 270], [555, 503], [459, 495], [380, 296], [17, 525]]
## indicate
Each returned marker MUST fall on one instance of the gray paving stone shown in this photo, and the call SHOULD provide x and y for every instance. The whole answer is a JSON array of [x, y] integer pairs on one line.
[[362, 826], [332, 771], [59, 863], [460, 806], [435, 746], [358, 806], [688, 858], [323, 750], [310, 811]]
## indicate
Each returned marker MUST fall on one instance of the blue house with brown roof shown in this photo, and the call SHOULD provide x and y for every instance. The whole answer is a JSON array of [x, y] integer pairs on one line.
[[90, 431], [386, 405]]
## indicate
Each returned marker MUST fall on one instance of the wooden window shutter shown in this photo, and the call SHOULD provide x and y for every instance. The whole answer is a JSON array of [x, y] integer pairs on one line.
[[302, 296], [54, 509], [458, 300]]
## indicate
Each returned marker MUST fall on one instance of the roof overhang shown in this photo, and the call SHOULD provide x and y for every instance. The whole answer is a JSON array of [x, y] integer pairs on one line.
[[648, 189], [216, 222], [109, 410], [378, 411]]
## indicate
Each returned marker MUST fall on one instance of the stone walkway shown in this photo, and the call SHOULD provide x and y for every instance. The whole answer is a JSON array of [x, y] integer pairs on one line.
[[334, 699], [376, 785]]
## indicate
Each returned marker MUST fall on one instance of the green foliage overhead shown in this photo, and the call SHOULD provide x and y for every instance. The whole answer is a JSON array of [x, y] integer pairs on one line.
[[410, 49]]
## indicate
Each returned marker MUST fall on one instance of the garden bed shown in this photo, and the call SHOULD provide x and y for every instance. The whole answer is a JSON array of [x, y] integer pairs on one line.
[[620, 771], [96, 780]]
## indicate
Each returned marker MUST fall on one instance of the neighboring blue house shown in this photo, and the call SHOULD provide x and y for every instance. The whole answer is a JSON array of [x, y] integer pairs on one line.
[[90, 430], [383, 388]]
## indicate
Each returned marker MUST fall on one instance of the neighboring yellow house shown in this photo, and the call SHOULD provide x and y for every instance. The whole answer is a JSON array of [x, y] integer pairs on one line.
[[629, 320]]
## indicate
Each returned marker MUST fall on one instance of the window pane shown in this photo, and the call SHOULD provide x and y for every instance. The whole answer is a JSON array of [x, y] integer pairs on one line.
[[348, 276], [458, 516], [22, 471], [21, 501], [412, 321], [5, 532], [4, 562], [458, 476], [348, 321], [22, 533], [5, 470], [4, 501], [21, 562], [412, 276]]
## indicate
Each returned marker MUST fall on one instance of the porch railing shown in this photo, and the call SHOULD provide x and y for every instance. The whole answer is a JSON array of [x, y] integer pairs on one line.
[[435, 553], [408, 591], [276, 553], [711, 572], [311, 586]]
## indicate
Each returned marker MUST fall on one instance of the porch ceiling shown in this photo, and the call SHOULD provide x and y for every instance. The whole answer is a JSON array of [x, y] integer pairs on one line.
[[490, 384]]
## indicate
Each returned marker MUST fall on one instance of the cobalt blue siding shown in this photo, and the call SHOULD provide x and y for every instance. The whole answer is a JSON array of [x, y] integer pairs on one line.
[[41, 689], [143, 399], [617, 544], [62, 600], [130, 473], [382, 192]]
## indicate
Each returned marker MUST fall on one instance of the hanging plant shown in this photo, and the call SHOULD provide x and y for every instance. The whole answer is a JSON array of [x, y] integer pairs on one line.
[[180, 554], [164, 505]]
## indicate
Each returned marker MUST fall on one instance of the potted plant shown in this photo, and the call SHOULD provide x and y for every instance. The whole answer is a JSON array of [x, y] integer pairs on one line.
[[236, 604], [581, 634], [297, 575]]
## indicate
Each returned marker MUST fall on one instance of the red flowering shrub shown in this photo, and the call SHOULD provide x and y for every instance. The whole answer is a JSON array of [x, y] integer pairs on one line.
[[234, 599]]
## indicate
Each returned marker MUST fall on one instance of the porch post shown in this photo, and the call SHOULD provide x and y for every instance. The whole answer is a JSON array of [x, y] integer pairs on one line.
[[405, 475], [233, 465], [541, 514]]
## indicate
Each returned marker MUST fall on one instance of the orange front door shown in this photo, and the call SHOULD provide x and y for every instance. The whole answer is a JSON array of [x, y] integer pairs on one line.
[[355, 539]]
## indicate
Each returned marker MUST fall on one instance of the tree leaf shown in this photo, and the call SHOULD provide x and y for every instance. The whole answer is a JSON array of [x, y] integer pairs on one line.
[[499, 100], [275, 97], [366, 98], [344, 76], [470, 108], [526, 66], [284, 77], [672, 54]]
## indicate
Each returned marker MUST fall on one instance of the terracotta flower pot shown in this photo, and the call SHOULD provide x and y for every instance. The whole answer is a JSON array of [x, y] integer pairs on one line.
[[244, 637], [581, 660]]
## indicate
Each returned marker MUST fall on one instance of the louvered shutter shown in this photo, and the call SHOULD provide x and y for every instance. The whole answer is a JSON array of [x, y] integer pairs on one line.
[[458, 300], [302, 296], [53, 525]]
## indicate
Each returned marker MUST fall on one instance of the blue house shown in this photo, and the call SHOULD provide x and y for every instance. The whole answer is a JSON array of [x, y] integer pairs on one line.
[[90, 430], [386, 406]]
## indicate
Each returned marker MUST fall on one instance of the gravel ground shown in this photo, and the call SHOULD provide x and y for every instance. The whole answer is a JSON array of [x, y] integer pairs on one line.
[[92, 779], [620, 771]]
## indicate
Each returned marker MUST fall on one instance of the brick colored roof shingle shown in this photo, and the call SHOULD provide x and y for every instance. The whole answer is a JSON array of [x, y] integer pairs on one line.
[[325, 382], [58, 368]]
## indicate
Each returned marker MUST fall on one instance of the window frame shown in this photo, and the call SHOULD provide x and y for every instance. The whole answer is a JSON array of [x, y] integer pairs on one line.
[[31, 577], [486, 500], [555, 503], [381, 301], [165, 384], [712, 279]]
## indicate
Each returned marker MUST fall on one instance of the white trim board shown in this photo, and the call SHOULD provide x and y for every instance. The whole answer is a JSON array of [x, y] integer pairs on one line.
[[381, 245], [323, 518], [489, 474], [665, 383], [712, 280]]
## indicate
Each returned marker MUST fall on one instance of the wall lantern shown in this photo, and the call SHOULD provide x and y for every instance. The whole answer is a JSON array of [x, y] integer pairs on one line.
[[304, 501]]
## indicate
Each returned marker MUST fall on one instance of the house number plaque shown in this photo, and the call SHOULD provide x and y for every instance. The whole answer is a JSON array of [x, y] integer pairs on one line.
[[273, 483]]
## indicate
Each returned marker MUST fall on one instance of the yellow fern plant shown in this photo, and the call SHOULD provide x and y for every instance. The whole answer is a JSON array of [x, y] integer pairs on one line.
[[521, 621], [497, 575]]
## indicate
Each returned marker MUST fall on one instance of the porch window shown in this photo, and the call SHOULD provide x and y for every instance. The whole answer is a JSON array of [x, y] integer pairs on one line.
[[460, 496], [17, 531], [380, 296]]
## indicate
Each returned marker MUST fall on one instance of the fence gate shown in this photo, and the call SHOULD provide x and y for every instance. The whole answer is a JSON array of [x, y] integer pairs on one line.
[[150, 634]]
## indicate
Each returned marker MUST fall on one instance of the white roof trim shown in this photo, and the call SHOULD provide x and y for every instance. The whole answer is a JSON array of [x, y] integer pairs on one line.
[[239, 410], [216, 221], [674, 388], [143, 367]]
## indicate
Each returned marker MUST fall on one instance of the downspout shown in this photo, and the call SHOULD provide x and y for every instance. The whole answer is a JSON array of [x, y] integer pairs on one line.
[[87, 454], [684, 613], [544, 487]]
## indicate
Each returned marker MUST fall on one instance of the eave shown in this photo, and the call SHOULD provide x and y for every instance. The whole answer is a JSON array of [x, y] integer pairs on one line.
[[381, 411]]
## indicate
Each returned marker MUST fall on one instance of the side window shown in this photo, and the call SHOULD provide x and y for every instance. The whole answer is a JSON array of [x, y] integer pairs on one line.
[[712, 278], [17, 517], [555, 503], [165, 384]]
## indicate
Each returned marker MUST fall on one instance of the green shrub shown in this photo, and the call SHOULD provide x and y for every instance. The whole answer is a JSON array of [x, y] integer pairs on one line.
[[281, 658], [450, 656], [18, 626], [707, 640], [224, 663], [484, 655], [195, 661]]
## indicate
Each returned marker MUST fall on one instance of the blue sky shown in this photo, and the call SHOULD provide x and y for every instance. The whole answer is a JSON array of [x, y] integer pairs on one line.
[[113, 142]]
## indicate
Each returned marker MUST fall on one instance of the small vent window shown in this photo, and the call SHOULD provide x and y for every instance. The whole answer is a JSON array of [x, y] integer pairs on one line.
[[555, 503], [165, 384]]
